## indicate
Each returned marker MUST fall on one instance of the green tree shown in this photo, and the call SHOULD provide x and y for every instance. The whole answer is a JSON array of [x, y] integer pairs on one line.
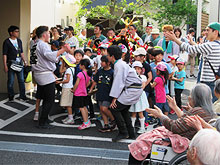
[[179, 13], [113, 11]]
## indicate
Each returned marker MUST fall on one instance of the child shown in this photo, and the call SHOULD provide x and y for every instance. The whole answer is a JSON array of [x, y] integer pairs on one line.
[[142, 104], [103, 79], [80, 92], [97, 60], [216, 105], [174, 68], [67, 95], [179, 78], [159, 85]]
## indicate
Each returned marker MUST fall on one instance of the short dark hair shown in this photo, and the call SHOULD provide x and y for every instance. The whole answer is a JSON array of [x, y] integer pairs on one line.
[[115, 51], [203, 30], [135, 27], [79, 51], [191, 30], [100, 26], [179, 30], [110, 30], [157, 51], [150, 50], [12, 28], [40, 30], [104, 59]]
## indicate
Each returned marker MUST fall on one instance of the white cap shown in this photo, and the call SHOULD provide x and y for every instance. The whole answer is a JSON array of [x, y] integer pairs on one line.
[[137, 64], [140, 51], [155, 31]]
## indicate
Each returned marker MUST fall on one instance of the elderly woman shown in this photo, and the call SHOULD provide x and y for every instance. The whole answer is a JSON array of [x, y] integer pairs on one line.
[[200, 103]]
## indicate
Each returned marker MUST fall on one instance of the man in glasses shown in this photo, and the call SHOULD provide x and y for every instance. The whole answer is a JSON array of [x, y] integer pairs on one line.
[[13, 60]]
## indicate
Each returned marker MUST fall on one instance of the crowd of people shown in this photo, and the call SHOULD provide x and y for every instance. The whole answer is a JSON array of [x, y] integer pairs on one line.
[[137, 78]]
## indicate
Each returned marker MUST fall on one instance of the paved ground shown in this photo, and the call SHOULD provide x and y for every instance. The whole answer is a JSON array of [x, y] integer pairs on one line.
[[22, 143]]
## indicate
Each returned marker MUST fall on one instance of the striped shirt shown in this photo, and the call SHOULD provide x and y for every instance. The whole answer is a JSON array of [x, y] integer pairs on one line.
[[209, 50], [179, 125]]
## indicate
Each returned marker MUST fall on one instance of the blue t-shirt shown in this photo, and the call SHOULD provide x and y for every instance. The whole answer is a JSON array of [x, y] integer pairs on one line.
[[153, 65], [77, 70], [104, 79], [178, 84]]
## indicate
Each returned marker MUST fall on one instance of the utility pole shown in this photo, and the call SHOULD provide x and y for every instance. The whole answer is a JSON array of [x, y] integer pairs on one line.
[[199, 18]]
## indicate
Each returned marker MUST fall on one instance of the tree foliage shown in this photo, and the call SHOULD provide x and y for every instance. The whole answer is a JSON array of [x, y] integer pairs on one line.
[[180, 13], [163, 11]]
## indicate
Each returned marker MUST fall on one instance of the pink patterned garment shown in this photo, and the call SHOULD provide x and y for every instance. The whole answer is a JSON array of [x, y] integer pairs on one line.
[[142, 145]]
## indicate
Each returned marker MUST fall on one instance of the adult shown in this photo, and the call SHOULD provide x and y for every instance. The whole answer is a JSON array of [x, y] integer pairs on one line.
[[83, 34], [126, 90], [204, 148], [13, 52], [110, 35], [170, 48], [155, 36], [210, 51], [200, 104], [148, 29], [133, 32], [55, 33], [43, 73], [178, 33], [98, 33], [191, 56], [71, 39]]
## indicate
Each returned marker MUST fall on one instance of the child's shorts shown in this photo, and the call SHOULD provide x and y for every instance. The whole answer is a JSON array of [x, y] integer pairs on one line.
[[66, 98], [80, 101], [104, 103]]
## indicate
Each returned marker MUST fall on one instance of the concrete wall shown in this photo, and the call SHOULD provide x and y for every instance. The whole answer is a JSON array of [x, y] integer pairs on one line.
[[214, 15], [51, 12], [13, 12]]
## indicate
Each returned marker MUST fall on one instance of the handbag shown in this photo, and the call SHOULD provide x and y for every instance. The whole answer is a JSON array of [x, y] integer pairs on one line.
[[16, 66]]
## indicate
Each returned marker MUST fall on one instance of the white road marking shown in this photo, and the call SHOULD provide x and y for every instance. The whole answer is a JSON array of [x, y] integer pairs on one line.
[[1, 121], [53, 117], [100, 153], [57, 136]]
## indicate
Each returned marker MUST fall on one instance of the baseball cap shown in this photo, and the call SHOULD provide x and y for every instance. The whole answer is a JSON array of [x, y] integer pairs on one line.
[[103, 46], [69, 59], [161, 66], [155, 31], [174, 57], [55, 43], [215, 25], [137, 64], [180, 61], [140, 51], [124, 49]]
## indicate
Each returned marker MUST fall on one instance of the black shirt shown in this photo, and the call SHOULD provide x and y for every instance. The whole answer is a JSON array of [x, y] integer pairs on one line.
[[10, 50], [104, 79], [147, 69]]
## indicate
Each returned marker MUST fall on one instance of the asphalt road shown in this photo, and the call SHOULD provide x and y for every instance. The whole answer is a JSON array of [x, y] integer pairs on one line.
[[22, 143]]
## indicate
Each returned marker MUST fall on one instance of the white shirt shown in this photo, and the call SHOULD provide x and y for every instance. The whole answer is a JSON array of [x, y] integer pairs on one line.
[[82, 37], [97, 60], [71, 72], [143, 78], [14, 42]]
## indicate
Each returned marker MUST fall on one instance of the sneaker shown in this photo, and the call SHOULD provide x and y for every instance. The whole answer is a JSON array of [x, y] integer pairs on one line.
[[106, 128], [23, 100], [84, 126], [36, 116], [140, 131], [64, 120], [153, 121], [69, 121], [146, 124], [192, 75], [172, 112], [10, 100]]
